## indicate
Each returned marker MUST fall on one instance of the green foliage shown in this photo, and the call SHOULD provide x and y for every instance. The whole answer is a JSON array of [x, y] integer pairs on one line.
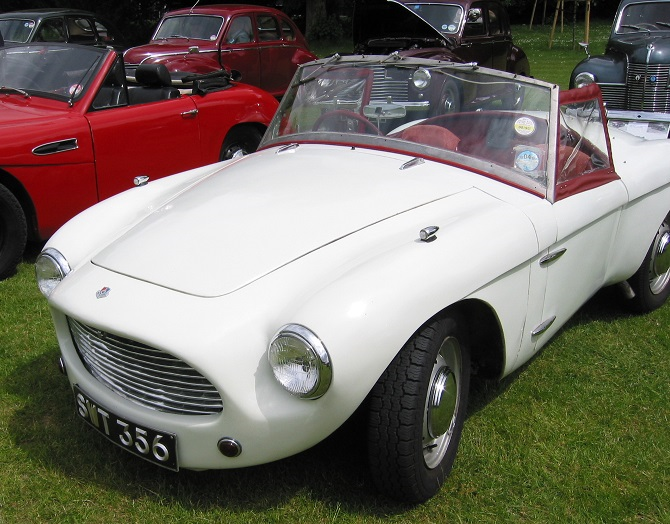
[[328, 29]]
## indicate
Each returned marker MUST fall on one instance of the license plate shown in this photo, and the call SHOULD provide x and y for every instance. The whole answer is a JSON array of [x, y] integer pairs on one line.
[[155, 446]]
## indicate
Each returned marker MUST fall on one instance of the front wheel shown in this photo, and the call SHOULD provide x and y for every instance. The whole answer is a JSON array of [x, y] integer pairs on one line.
[[13, 232], [651, 282], [240, 141], [417, 410]]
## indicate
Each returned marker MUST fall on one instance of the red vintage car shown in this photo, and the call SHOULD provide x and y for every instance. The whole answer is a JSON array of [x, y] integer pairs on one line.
[[262, 43], [73, 132]]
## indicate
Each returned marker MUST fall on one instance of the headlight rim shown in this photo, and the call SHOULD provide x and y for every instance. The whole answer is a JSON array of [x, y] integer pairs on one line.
[[58, 262], [421, 83], [313, 344], [584, 78]]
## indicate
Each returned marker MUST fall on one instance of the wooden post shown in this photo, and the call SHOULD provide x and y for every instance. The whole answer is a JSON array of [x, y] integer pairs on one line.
[[559, 8], [587, 21]]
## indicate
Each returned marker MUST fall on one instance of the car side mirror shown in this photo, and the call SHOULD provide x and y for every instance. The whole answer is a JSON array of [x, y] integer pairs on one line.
[[474, 14]]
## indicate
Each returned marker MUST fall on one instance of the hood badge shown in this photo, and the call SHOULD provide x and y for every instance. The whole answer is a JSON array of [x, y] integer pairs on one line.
[[103, 293]]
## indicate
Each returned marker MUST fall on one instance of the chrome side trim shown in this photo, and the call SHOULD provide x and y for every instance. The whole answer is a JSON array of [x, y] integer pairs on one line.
[[60, 146], [543, 327], [550, 257]]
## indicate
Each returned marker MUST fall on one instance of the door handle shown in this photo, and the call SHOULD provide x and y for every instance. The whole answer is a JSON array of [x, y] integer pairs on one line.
[[190, 114]]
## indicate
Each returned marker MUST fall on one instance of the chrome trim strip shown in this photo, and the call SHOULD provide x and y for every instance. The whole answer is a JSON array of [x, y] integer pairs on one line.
[[543, 327], [550, 257], [59, 146]]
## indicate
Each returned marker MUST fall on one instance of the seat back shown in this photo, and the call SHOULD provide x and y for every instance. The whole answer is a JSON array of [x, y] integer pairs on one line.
[[156, 85]]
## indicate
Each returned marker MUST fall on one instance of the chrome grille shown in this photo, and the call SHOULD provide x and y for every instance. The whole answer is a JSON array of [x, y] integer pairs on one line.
[[145, 375], [648, 87], [614, 95], [384, 87]]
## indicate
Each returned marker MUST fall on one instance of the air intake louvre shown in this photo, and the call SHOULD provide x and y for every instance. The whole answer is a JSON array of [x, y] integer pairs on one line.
[[143, 374]]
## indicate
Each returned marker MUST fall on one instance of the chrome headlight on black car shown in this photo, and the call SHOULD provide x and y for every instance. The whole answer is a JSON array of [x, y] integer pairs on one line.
[[50, 268], [584, 78], [300, 362]]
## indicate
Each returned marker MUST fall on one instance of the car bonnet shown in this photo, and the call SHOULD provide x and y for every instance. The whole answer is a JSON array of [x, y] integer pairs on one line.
[[250, 218], [387, 19]]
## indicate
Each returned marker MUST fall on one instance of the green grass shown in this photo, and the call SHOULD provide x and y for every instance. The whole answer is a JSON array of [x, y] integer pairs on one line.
[[579, 435]]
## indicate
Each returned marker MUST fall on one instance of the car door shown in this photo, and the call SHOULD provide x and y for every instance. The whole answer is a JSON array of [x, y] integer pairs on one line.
[[154, 139], [588, 201], [276, 67], [239, 49], [475, 44], [499, 34]]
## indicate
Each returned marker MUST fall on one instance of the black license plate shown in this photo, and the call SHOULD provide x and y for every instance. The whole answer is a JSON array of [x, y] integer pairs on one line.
[[155, 446]]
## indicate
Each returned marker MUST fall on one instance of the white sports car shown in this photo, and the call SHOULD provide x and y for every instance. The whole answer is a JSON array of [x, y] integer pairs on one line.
[[374, 252]]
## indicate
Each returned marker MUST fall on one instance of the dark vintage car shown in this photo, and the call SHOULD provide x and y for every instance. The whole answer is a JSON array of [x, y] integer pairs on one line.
[[634, 71], [457, 30], [72, 133], [59, 25], [262, 43]]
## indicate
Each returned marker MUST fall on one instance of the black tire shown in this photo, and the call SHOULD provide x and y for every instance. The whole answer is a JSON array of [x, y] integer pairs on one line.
[[651, 282], [450, 100], [416, 413], [240, 140], [13, 232]]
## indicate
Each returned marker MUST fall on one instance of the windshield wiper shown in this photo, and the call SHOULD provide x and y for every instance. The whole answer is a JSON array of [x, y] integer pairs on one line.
[[664, 24], [312, 75], [635, 27], [16, 90]]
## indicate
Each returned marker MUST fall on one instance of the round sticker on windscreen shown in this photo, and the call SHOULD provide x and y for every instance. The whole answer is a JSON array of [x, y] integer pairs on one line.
[[524, 126], [527, 161]]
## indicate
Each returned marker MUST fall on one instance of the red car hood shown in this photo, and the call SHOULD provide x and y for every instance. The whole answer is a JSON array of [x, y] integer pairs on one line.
[[176, 46]]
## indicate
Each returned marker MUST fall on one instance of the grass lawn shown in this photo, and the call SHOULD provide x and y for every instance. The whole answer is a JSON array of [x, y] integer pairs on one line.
[[579, 435]]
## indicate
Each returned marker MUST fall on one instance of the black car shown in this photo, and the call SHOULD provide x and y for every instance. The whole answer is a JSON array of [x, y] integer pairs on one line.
[[457, 30], [634, 72], [59, 25]]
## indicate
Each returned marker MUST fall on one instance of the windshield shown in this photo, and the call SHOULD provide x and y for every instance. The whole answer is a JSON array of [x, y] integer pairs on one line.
[[199, 27], [51, 70], [491, 122], [645, 16], [18, 31], [444, 18]]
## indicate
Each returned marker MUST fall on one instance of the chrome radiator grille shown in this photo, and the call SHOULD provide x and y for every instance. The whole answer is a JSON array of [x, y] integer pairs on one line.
[[143, 374], [648, 87], [383, 87], [614, 96]]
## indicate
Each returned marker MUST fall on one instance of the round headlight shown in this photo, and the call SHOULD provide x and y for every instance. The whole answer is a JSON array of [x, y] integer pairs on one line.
[[421, 78], [50, 268], [300, 362], [584, 79]]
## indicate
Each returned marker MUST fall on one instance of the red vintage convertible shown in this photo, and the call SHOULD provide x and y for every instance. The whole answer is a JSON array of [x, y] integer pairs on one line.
[[73, 132]]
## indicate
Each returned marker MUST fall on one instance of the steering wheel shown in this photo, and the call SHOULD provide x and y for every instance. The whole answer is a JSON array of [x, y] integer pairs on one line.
[[338, 121]]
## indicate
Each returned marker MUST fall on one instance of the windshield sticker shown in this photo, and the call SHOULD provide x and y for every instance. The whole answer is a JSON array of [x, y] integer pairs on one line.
[[524, 126], [527, 161], [30, 24]]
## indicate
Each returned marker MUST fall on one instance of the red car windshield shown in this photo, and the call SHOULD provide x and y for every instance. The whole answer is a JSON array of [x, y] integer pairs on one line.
[[198, 27], [49, 70]]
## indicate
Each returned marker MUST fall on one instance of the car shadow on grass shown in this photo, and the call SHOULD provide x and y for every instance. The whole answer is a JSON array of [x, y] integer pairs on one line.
[[608, 305], [47, 430], [334, 473]]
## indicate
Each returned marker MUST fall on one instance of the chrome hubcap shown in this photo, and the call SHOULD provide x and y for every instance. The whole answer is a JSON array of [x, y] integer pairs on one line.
[[659, 270], [442, 402]]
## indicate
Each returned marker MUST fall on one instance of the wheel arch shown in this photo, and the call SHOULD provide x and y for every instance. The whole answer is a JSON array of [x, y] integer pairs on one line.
[[484, 334], [20, 193]]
